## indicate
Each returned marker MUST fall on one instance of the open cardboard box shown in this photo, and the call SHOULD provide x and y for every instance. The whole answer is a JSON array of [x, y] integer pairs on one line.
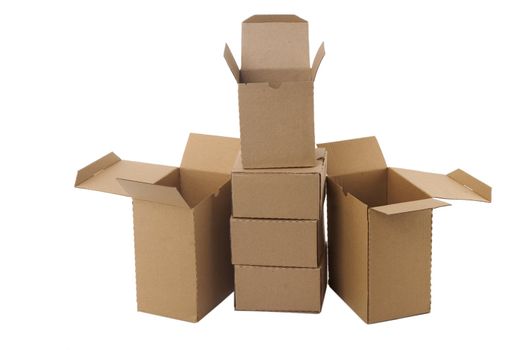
[[380, 227], [276, 105], [181, 223], [285, 193]]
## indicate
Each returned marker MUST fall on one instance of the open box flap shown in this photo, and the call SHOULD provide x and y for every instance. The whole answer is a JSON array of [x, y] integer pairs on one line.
[[405, 207], [153, 193], [354, 156], [456, 185], [210, 153], [275, 42], [317, 61], [102, 174], [230, 60]]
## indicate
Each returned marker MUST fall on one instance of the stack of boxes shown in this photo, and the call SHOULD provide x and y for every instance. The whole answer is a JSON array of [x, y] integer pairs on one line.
[[278, 180]]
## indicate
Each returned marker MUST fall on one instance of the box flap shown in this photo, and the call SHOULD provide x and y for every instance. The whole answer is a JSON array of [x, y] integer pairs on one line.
[[354, 156], [317, 60], [153, 193], [444, 186], [228, 56], [102, 174], [275, 42], [210, 153], [405, 207]]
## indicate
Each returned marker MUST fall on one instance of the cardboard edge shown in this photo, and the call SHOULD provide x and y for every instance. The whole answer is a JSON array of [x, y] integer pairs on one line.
[[95, 167], [317, 60], [232, 64], [475, 185], [407, 207], [153, 193]]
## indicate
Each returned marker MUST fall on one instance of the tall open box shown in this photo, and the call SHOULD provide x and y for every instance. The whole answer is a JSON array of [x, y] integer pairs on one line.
[[380, 227], [276, 106], [181, 224]]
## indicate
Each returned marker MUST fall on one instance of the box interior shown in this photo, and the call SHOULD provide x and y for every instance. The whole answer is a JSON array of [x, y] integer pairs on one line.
[[194, 185], [380, 187]]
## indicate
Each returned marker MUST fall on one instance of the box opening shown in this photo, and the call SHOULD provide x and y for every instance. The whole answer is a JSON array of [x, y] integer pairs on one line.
[[380, 187], [194, 185], [275, 75]]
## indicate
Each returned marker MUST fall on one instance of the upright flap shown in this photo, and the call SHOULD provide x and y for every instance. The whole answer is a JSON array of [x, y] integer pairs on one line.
[[354, 156], [228, 56], [441, 186], [102, 174], [210, 153], [275, 42], [153, 193], [406, 207], [317, 61]]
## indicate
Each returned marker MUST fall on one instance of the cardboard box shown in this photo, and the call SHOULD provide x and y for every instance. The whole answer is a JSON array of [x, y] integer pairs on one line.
[[265, 288], [380, 228], [290, 243], [276, 105], [181, 223], [287, 193]]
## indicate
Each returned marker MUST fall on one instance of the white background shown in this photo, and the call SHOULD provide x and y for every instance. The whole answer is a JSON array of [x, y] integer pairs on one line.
[[440, 83]]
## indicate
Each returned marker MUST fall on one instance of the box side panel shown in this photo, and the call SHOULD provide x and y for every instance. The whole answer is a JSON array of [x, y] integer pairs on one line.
[[348, 248], [276, 196], [265, 242], [263, 288], [165, 260], [212, 234], [400, 190], [399, 264], [277, 125]]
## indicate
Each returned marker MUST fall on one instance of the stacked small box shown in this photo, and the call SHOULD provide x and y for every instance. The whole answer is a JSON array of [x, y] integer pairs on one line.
[[277, 237]]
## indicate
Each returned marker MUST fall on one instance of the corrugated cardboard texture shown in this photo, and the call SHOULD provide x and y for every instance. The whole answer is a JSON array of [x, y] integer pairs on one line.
[[399, 265], [348, 248], [291, 193], [276, 122], [291, 243], [263, 288], [164, 260]]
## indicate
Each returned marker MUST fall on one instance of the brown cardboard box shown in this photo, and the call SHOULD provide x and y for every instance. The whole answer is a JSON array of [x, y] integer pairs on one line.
[[181, 223], [265, 288], [290, 243], [287, 193], [380, 227], [276, 106]]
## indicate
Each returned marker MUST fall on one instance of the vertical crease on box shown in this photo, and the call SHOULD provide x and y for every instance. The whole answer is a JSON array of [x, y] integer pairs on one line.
[[368, 267], [430, 267], [197, 309], [135, 251]]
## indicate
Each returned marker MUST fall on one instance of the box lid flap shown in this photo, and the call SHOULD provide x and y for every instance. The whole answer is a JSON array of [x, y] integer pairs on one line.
[[228, 56], [102, 174], [275, 42], [153, 193], [354, 156], [405, 207], [456, 185], [210, 153], [317, 60]]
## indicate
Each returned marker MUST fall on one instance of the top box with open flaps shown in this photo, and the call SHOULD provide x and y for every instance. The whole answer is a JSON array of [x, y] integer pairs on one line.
[[181, 222], [380, 226], [276, 107]]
